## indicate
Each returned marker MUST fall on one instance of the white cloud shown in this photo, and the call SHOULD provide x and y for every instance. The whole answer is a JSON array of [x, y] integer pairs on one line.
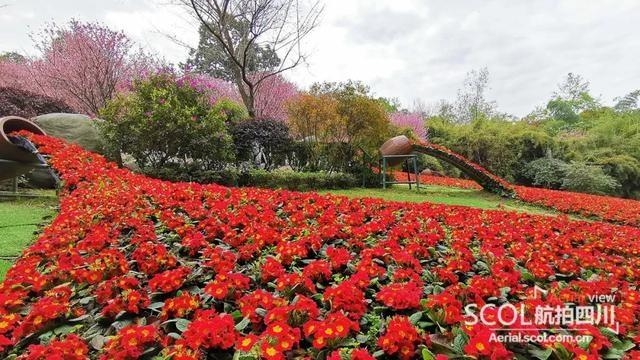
[[407, 48]]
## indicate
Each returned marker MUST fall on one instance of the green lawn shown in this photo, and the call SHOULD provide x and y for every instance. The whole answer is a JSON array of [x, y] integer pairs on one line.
[[19, 220], [444, 195]]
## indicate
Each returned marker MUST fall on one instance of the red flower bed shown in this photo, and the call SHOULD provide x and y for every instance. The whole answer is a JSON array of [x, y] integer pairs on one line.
[[623, 211], [134, 267], [607, 208], [439, 180]]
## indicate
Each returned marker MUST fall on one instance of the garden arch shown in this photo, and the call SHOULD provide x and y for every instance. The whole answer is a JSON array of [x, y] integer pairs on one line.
[[401, 145]]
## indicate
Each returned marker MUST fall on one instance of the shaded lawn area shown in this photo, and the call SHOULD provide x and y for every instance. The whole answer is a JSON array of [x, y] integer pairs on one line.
[[444, 195], [19, 220]]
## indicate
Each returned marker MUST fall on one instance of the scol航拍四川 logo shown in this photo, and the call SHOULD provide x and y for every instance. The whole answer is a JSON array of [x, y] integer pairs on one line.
[[598, 311]]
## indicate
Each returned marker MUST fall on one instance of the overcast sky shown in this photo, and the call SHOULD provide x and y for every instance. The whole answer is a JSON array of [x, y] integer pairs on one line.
[[409, 49]]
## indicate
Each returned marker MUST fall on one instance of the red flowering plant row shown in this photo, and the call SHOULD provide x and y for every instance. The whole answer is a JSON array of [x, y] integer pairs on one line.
[[623, 211], [439, 180], [134, 267], [482, 176], [606, 208], [612, 209]]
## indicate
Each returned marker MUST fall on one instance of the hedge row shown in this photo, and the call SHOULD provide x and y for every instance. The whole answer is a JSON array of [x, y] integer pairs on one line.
[[277, 179]]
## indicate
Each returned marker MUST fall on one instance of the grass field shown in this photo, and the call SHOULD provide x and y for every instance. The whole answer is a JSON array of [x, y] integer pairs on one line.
[[19, 220], [444, 195]]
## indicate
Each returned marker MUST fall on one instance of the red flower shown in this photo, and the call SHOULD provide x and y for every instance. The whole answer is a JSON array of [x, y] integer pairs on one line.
[[169, 281], [330, 331], [209, 330], [400, 338], [71, 348], [348, 298], [180, 306], [130, 342], [227, 285], [401, 296]]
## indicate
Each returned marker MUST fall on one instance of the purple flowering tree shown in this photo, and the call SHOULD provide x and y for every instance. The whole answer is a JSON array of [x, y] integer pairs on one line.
[[409, 120]]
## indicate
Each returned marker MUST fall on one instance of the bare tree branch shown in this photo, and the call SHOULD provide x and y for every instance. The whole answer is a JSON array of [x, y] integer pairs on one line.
[[241, 25]]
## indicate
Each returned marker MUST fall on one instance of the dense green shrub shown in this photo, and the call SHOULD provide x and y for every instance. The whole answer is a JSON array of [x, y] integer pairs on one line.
[[231, 112], [264, 143], [292, 180], [589, 179], [547, 172], [423, 162], [277, 179], [300, 155], [163, 124], [499, 145], [227, 177]]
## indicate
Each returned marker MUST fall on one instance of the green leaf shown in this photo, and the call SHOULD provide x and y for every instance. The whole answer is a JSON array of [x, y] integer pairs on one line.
[[415, 317], [156, 305], [541, 354], [79, 318], [65, 329], [427, 355], [425, 324], [362, 338], [613, 354], [182, 324], [243, 324], [585, 341], [237, 315], [86, 300], [378, 353], [459, 342], [46, 337], [97, 342], [624, 345]]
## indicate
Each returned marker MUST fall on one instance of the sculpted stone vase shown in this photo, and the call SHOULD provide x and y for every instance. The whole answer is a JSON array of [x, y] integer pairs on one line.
[[15, 160], [399, 145]]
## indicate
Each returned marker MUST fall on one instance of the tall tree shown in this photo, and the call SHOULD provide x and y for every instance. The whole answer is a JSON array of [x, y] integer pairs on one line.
[[210, 57], [471, 102], [628, 102], [572, 97], [242, 26]]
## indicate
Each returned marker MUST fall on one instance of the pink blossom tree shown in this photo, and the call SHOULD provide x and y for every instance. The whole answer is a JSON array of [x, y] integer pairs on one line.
[[16, 75], [413, 121], [271, 98], [83, 64], [216, 89]]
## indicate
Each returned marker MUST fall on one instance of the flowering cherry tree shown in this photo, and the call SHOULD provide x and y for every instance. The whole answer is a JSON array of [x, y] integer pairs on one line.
[[413, 121], [83, 64], [272, 96]]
